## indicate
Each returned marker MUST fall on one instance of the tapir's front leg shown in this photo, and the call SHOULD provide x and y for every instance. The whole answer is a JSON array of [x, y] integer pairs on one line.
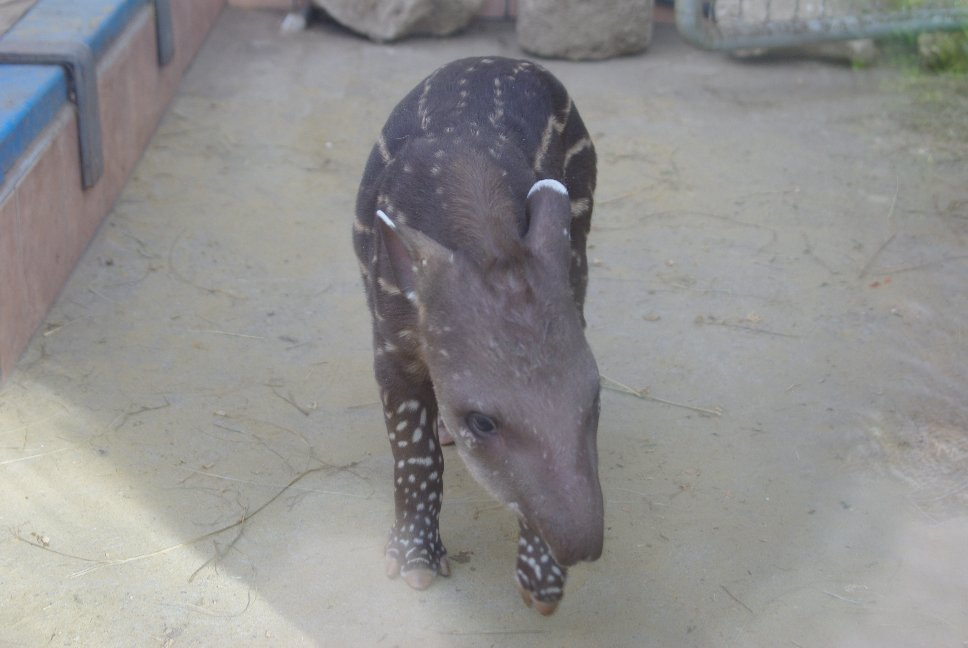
[[541, 580], [414, 549]]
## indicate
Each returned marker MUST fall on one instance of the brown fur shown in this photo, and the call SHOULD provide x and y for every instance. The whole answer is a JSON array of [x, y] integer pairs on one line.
[[482, 216]]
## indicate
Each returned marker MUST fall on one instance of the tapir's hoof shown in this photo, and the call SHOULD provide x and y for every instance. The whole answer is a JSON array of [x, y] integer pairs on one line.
[[546, 608], [419, 578]]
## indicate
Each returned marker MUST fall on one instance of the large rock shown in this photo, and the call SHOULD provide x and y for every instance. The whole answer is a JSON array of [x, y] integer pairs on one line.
[[387, 20], [581, 29]]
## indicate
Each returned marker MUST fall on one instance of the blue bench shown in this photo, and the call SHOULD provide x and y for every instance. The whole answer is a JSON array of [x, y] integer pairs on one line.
[[31, 95]]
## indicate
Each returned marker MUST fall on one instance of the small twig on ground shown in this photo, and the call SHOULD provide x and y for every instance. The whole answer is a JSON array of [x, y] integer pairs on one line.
[[752, 329], [809, 251], [54, 328], [890, 214], [34, 456], [238, 335], [733, 596], [225, 427], [472, 633], [99, 563], [842, 598], [218, 554], [614, 385], [249, 482], [870, 261], [122, 419], [922, 266], [292, 401]]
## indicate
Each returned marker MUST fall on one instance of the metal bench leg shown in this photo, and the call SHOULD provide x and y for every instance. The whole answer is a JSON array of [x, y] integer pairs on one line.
[[78, 61]]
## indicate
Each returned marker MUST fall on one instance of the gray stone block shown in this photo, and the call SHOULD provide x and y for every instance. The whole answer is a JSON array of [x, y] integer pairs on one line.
[[584, 29], [387, 20]]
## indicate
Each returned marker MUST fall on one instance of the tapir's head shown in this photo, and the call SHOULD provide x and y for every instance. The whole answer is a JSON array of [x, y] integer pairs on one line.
[[515, 379]]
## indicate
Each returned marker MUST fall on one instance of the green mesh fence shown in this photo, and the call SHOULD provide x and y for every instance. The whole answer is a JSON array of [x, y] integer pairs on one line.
[[747, 24]]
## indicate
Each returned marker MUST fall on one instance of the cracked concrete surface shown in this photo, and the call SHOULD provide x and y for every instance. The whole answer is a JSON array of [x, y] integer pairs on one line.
[[191, 450]]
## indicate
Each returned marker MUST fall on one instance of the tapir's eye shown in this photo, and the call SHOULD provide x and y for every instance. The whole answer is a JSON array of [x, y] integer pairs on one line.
[[480, 425]]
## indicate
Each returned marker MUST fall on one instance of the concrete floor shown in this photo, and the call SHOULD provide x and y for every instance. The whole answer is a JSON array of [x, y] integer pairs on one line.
[[191, 451]]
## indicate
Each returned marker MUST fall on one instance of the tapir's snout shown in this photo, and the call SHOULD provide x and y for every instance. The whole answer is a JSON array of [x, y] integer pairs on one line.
[[564, 505], [576, 531]]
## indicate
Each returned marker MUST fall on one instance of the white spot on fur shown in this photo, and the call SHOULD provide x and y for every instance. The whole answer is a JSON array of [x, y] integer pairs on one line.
[[579, 206], [422, 112], [381, 145], [533, 564], [387, 287], [553, 126], [575, 149]]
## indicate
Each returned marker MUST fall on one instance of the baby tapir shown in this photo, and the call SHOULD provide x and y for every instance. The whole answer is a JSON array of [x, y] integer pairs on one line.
[[470, 230]]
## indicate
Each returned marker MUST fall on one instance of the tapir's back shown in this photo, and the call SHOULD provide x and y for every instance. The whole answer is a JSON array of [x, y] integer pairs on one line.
[[493, 98], [513, 112]]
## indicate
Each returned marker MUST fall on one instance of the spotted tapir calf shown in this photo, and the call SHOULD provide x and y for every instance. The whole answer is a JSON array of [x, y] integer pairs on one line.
[[471, 222]]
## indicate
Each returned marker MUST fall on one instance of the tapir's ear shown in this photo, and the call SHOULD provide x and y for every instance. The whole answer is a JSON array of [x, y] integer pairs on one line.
[[549, 220], [411, 252]]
